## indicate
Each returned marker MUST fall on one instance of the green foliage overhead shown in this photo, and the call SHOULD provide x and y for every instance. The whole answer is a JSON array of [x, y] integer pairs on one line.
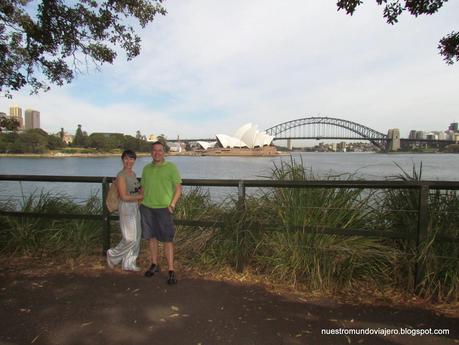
[[448, 45], [48, 41]]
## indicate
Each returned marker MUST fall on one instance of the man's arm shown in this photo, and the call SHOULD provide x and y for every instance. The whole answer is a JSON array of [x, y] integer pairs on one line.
[[176, 196]]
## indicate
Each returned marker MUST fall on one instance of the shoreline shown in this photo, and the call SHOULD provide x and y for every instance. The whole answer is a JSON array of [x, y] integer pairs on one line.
[[62, 155], [139, 154], [187, 153], [270, 151]]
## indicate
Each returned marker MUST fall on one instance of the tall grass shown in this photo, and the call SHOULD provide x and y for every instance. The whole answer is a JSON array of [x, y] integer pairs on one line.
[[32, 236], [279, 233], [235, 243], [296, 251], [195, 204], [441, 279], [439, 258]]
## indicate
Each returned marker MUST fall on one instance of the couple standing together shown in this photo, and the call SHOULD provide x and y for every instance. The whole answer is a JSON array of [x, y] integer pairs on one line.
[[157, 193]]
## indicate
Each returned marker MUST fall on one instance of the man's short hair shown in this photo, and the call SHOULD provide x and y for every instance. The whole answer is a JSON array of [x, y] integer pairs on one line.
[[156, 143]]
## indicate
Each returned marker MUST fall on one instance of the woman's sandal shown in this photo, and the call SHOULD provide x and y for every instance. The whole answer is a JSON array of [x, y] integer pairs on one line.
[[152, 270]]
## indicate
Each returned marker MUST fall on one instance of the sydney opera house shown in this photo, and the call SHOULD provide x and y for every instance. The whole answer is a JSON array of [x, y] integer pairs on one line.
[[247, 140]]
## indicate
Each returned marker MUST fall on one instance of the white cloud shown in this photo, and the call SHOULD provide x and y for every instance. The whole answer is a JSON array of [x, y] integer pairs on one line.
[[210, 66]]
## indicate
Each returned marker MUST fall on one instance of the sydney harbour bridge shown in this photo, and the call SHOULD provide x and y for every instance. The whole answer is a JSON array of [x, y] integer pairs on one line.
[[320, 127], [326, 128]]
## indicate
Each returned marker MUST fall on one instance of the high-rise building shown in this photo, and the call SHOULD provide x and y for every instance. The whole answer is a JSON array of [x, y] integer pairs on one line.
[[16, 113], [449, 135], [420, 135], [412, 134], [439, 135], [431, 136], [454, 127], [32, 119]]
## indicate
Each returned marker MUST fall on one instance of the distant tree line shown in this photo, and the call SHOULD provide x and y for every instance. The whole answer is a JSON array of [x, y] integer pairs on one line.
[[109, 141], [29, 141], [39, 141]]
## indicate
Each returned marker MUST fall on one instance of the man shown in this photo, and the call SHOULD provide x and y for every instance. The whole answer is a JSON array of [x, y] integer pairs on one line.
[[161, 183]]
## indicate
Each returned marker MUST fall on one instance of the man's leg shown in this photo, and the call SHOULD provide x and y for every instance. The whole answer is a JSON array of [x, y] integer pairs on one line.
[[148, 224], [153, 243], [169, 252]]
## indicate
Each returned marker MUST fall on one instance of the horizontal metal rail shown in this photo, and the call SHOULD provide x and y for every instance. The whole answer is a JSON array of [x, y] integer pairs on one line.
[[375, 184], [51, 215]]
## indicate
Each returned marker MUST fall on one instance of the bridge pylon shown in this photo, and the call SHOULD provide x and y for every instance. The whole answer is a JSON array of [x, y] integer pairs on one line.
[[393, 142]]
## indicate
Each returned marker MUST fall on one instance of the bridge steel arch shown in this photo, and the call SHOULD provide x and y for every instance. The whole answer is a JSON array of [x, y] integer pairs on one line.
[[323, 125]]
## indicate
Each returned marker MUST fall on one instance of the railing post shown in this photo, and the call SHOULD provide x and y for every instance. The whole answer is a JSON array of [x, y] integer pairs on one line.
[[105, 218], [421, 236], [241, 194], [241, 230]]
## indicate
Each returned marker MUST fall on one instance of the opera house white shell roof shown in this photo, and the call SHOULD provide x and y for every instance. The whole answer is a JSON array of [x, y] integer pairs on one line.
[[228, 141], [206, 145], [246, 136]]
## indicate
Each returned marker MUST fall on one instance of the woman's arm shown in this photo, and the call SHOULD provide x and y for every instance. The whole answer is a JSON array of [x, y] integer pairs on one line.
[[123, 193]]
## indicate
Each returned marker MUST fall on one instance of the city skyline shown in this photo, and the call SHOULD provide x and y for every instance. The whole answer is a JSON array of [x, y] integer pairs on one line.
[[265, 63], [31, 119]]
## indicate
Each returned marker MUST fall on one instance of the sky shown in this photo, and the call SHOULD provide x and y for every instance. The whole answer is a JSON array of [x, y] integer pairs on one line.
[[208, 67]]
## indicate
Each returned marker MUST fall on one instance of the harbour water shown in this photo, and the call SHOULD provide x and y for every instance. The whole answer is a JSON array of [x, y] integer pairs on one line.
[[369, 166]]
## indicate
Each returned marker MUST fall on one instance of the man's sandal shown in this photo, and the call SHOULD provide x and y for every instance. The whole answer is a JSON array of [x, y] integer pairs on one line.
[[172, 278]]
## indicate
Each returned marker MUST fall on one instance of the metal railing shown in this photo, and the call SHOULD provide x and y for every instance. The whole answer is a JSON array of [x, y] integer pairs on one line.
[[423, 188]]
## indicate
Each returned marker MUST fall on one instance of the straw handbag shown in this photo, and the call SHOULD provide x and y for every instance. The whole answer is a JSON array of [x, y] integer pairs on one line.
[[112, 197]]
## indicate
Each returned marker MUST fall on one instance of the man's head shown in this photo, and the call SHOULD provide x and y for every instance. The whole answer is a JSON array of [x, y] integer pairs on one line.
[[157, 152]]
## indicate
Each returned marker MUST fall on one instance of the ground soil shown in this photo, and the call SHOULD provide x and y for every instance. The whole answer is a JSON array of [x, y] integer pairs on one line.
[[83, 302]]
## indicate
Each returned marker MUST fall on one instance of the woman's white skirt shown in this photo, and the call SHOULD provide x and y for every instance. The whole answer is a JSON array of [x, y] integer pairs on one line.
[[127, 251]]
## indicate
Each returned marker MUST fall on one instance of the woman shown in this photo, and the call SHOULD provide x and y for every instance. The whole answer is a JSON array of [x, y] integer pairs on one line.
[[130, 194]]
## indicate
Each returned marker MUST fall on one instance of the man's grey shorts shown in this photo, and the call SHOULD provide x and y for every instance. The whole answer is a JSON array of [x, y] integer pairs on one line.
[[157, 223]]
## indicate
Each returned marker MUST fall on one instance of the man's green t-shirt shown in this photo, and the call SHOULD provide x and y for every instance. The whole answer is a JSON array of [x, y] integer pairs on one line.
[[158, 182]]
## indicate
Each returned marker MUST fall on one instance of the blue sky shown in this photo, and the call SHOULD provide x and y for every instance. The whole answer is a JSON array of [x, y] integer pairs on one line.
[[208, 67]]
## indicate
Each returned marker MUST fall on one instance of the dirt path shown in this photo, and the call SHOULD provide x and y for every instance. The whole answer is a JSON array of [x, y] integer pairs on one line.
[[99, 306]]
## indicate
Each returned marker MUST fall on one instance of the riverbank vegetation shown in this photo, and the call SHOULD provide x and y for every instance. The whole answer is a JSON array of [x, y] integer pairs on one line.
[[37, 141], [281, 234]]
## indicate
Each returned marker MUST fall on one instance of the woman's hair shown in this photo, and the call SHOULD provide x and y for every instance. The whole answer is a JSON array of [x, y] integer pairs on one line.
[[128, 153]]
